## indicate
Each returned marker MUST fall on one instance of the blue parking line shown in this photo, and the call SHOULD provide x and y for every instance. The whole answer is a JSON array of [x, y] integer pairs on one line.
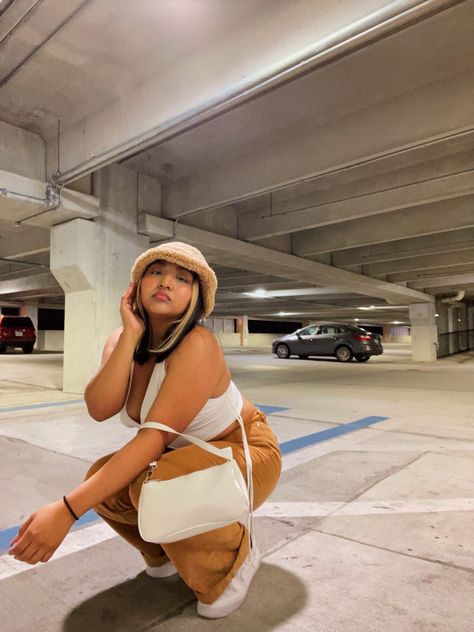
[[316, 437], [286, 448], [42, 405], [268, 410]]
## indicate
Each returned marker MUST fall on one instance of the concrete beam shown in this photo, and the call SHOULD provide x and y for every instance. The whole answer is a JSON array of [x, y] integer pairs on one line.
[[429, 273], [416, 194], [420, 263], [22, 199], [395, 250], [249, 256], [158, 108], [25, 242], [30, 286], [375, 132], [454, 281], [422, 220]]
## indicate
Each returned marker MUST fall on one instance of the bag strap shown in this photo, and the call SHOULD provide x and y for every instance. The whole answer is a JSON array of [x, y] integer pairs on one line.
[[224, 453]]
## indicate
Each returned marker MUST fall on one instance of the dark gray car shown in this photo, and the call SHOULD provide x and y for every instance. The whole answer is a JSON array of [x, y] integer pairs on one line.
[[329, 339]]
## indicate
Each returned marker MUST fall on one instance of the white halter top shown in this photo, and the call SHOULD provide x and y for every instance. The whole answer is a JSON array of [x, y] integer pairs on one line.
[[216, 414]]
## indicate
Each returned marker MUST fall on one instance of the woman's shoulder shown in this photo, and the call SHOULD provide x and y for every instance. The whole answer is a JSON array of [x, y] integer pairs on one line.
[[200, 341]]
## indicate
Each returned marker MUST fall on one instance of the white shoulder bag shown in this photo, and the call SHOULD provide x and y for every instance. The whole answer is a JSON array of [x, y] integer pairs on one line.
[[201, 501]]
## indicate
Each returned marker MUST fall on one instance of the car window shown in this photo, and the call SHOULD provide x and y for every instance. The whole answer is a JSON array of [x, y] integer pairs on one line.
[[327, 330], [342, 330], [17, 321]]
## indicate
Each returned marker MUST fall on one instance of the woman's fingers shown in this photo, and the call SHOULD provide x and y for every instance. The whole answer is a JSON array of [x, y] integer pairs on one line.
[[37, 557], [26, 553], [22, 544], [47, 556]]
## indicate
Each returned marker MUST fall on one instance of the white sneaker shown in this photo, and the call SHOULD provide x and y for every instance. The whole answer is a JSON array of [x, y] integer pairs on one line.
[[235, 593], [160, 572]]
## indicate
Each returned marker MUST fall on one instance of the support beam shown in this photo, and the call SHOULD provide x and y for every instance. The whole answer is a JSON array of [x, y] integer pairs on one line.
[[34, 285], [252, 228], [422, 220], [142, 117], [456, 280], [426, 262], [395, 250], [426, 275], [25, 242], [249, 256]]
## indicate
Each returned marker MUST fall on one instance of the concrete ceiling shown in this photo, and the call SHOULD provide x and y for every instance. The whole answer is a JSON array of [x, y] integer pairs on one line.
[[364, 164]]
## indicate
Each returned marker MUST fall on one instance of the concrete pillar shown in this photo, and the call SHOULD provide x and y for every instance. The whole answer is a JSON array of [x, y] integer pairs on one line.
[[31, 309], [424, 338], [242, 323], [92, 263]]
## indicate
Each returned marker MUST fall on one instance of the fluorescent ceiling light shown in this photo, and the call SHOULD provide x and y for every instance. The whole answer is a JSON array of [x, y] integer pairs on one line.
[[259, 293]]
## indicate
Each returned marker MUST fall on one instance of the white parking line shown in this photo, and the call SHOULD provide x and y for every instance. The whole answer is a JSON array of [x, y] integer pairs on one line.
[[74, 542], [362, 507]]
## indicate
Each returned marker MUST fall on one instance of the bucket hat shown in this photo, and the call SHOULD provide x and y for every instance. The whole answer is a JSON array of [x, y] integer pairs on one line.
[[188, 257]]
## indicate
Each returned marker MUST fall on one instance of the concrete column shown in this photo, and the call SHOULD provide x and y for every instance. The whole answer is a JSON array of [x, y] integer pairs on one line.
[[31, 309], [92, 263], [424, 338], [242, 323]]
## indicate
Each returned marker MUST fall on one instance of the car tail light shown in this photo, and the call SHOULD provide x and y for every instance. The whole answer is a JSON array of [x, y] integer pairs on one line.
[[361, 337]]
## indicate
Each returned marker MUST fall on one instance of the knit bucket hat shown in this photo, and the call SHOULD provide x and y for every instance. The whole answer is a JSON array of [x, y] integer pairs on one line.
[[188, 257]]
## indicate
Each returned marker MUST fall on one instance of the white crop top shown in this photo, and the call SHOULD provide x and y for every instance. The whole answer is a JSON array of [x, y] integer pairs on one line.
[[216, 414]]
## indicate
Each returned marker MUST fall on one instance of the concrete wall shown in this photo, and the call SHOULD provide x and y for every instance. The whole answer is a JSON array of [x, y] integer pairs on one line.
[[254, 340], [22, 152], [396, 334], [49, 340]]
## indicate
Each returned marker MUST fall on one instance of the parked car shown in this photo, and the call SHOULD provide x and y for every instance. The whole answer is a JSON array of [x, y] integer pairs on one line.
[[17, 331], [329, 339]]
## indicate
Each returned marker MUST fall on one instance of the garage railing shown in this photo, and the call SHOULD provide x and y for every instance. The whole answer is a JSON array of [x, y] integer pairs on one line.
[[455, 342]]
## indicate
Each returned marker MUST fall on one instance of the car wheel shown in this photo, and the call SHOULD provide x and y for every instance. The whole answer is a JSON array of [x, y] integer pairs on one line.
[[28, 348], [303, 357], [343, 354], [282, 351], [362, 358]]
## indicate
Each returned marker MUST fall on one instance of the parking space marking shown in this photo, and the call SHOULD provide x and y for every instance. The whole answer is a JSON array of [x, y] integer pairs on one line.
[[362, 507], [304, 447]]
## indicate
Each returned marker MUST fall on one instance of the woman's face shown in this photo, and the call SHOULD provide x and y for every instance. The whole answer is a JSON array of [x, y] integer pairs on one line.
[[166, 289]]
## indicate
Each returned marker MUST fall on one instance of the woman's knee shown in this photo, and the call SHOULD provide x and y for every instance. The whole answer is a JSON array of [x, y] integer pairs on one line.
[[97, 465]]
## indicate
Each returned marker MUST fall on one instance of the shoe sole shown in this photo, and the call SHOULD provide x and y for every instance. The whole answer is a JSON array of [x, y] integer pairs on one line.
[[205, 610]]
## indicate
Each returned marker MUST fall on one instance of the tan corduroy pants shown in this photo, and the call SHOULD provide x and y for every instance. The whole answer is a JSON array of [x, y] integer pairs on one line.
[[206, 562]]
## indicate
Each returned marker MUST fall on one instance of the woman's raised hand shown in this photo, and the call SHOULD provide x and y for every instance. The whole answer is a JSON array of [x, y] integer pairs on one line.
[[132, 322]]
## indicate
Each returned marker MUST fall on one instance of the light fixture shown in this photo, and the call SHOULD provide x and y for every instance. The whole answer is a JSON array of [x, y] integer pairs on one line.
[[436, 315], [396, 322], [356, 319], [258, 293]]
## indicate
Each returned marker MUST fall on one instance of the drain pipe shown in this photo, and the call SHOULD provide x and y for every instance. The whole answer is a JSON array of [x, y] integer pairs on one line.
[[452, 300]]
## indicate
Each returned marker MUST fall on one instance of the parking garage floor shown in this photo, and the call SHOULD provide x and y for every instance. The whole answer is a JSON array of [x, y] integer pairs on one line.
[[369, 528]]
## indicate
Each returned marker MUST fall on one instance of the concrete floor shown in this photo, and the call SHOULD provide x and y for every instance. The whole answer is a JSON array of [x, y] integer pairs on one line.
[[368, 531]]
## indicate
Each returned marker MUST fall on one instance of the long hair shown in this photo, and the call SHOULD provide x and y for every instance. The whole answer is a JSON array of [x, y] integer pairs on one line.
[[175, 332]]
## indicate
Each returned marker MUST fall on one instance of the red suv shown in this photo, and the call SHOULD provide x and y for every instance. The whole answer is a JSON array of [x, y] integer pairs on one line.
[[17, 331]]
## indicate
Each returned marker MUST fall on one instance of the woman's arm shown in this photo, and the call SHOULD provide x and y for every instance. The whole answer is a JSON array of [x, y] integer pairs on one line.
[[190, 378], [40, 535], [125, 466]]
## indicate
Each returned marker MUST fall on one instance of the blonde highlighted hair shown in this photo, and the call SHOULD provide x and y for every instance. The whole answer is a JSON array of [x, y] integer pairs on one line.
[[176, 331]]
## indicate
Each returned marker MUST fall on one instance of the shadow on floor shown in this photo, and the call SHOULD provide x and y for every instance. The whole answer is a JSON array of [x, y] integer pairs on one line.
[[145, 604]]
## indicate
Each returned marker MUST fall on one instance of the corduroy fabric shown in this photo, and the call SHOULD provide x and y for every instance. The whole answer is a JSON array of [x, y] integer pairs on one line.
[[190, 258]]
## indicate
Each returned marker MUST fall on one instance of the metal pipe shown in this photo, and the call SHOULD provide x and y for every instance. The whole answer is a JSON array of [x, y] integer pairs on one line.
[[386, 21]]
